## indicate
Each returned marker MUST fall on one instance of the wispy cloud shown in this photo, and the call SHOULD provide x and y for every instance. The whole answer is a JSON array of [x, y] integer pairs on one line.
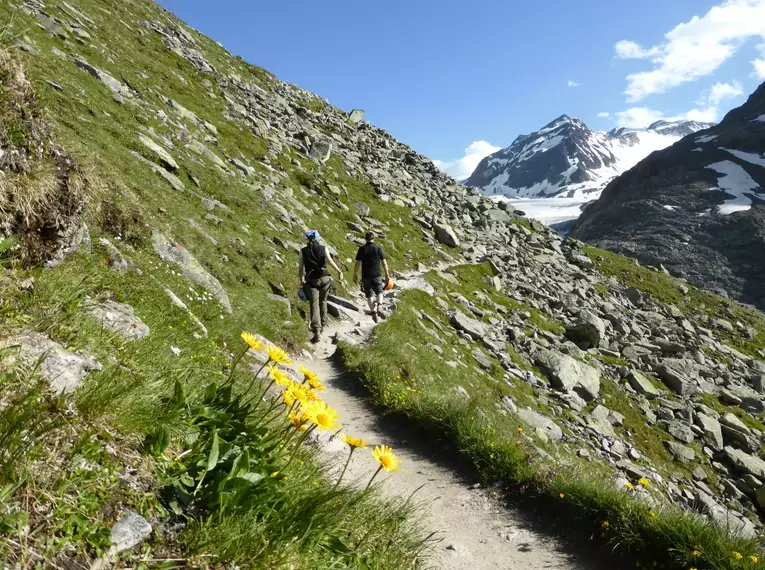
[[759, 64], [462, 168], [640, 117], [719, 92], [572, 83], [604, 115], [695, 48]]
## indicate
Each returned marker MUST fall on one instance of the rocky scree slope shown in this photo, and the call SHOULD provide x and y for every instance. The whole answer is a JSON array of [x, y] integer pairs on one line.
[[567, 159], [696, 207], [205, 171]]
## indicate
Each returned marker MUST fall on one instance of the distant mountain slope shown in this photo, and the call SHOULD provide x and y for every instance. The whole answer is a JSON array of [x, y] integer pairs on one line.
[[566, 158], [697, 207]]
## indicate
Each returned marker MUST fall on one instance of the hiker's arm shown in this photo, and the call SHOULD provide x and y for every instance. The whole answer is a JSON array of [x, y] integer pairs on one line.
[[300, 272], [356, 271], [385, 267], [334, 266]]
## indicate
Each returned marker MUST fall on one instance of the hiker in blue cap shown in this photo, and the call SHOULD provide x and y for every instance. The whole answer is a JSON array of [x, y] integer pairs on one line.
[[315, 280]]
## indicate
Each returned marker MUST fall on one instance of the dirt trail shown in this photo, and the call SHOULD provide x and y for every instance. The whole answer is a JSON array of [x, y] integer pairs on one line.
[[476, 531]]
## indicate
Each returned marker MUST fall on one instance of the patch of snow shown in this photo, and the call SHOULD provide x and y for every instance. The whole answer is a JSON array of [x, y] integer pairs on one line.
[[670, 208], [551, 211], [761, 118], [706, 139], [736, 182], [697, 150], [628, 156], [749, 157]]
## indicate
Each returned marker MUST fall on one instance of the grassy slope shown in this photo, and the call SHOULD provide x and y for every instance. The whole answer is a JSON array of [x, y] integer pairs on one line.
[[410, 379]]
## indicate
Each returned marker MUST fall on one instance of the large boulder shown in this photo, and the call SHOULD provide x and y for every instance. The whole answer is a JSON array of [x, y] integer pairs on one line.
[[321, 150], [680, 452], [570, 375], [120, 319], [445, 235], [745, 462], [712, 430], [643, 385], [356, 116], [588, 331], [542, 423], [462, 322], [160, 152], [676, 373]]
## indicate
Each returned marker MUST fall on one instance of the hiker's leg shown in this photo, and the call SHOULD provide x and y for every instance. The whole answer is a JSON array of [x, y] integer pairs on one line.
[[379, 302], [325, 284], [313, 299], [366, 283]]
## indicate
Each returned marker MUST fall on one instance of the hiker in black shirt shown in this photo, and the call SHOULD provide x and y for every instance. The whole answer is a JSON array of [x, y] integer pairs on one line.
[[315, 280], [370, 258]]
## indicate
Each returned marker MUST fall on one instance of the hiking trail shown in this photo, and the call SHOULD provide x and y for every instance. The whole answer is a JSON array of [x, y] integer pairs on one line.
[[475, 530]]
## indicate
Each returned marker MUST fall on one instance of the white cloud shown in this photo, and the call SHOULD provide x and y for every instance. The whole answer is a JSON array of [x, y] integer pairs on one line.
[[604, 115], [759, 63], [696, 48], [572, 83], [720, 92], [463, 167], [640, 117]]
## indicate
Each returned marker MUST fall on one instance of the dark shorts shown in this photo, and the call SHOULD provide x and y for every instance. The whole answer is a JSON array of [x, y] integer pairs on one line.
[[372, 286]]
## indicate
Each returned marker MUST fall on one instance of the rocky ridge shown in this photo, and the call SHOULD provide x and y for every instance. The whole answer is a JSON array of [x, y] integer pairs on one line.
[[597, 344]]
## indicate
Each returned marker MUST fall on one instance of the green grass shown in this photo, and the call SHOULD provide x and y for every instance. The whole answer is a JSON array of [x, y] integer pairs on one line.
[[407, 379]]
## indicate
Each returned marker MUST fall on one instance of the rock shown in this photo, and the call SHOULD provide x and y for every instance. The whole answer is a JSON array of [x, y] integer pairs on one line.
[[509, 404], [675, 375], [321, 150], [130, 531], [752, 405], [116, 260], [731, 421], [445, 235], [761, 497], [116, 87], [120, 319], [356, 116], [534, 419], [634, 295], [462, 322], [482, 360], [190, 268], [746, 463], [712, 430], [681, 432], [161, 153], [171, 179], [681, 452], [362, 209], [568, 374], [176, 301], [461, 392], [201, 150], [643, 385], [345, 303], [62, 369], [588, 331]]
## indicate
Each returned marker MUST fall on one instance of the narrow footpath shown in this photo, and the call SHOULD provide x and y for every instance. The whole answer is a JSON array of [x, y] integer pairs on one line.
[[475, 531]]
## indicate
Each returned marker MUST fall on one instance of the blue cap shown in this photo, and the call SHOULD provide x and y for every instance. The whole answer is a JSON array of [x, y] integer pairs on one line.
[[313, 234]]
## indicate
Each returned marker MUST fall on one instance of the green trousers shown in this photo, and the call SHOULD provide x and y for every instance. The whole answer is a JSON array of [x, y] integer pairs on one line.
[[317, 291]]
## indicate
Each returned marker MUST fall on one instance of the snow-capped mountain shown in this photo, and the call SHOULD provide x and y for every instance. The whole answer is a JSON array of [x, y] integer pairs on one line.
[[567, 159]]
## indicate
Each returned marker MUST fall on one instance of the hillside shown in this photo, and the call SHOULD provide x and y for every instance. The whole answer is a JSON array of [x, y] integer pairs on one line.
[[696, 208], [159, 188]]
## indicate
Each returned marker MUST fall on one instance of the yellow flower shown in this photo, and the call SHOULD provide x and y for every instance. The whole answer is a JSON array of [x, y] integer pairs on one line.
[[321, 414], [695, 553], [280, 378], [604, 525], [754, 559], [294, 392], [297, 419], [653, 514], [385, 457], [644, 482], [310, 394], [630, 485], [252, 341], [737, 555], [520, 430], [312, 378], [354, 442], [562, 495], [277, 355]]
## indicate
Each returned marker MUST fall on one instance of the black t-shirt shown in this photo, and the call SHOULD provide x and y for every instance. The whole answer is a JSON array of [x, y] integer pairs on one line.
[[370, 256], [314, 260]]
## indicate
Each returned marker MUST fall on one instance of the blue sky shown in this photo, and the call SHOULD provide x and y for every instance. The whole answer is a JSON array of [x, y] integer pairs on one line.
[[457, 79]]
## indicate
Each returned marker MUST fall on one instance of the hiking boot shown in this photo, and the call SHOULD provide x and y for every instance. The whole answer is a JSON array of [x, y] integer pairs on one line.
[[381, 315], [316, 338], [374, 317]]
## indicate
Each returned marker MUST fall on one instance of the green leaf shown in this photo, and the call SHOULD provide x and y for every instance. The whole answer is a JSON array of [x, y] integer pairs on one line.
[[7, 244], [251, 477], [179, 395], [9, 351], [212, 459], [210, 393], [159, 441]]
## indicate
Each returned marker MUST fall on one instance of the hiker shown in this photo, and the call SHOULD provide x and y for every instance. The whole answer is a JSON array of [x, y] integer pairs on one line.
[[315, 280], [370, 257]]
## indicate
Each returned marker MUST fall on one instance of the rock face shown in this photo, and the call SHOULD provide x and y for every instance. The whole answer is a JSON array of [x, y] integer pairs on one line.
[[696, 207], [567, 158], [190, 267], [570, 375], [120, 319], [64, 370]]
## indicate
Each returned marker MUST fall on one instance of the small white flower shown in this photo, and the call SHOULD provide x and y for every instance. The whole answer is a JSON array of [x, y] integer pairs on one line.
[[175, 350]]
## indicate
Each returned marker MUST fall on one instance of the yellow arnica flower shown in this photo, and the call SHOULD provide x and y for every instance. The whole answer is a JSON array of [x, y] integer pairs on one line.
[[604, 525], [354, 442], [644, 482], [294, 392], [310, 394], [737, 555], [562, 495], [252, 341], [695, 553], [280, 378], [630, 485], [321, 414], [297, 419], [277, 355], [754, 559], [312, 378], [520, 430], [385, 457]]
